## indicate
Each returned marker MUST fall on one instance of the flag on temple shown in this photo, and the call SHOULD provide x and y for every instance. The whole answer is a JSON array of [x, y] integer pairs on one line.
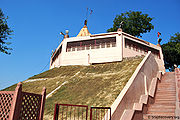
[[91, 11], [159, 34]]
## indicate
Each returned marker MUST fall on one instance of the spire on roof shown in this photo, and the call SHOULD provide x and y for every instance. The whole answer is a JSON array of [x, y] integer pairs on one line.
[[84, 31]]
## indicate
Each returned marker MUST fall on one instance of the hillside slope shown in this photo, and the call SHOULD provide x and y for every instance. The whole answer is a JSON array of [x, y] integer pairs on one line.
[[94, 85]]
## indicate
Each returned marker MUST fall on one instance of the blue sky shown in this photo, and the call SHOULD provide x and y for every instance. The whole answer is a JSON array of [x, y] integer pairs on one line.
[[37, 24]]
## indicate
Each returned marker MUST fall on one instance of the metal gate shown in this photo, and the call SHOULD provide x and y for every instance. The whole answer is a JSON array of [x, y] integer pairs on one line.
[[70, 112], [100, 113], [80, 112]]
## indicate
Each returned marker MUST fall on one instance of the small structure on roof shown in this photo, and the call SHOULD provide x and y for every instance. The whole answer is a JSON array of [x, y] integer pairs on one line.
[[84, 31]]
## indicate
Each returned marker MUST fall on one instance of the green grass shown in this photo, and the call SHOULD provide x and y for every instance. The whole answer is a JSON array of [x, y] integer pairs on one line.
[[94, 85]]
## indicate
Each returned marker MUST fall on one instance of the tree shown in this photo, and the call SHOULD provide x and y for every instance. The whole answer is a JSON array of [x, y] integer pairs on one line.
[[5, 33], [134, 23], [171, 52]]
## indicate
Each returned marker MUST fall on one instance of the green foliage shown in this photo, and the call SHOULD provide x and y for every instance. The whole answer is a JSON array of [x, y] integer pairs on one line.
[[134, 24], [171, 52], [5, 33]]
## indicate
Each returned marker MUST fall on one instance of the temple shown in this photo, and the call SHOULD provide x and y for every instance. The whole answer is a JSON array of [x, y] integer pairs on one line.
[[87, 48]]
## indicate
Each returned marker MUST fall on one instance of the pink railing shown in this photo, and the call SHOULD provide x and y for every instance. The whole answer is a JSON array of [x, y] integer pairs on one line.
[[6, 99], [18, 105]]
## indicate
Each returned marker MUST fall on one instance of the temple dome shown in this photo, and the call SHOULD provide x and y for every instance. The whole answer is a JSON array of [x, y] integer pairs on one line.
[[84, 32]]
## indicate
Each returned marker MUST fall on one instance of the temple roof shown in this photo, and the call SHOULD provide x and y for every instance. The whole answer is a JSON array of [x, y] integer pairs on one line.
[[84, 32]]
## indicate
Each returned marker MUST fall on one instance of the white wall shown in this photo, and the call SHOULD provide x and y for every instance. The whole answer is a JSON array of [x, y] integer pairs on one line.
[[86, 57]]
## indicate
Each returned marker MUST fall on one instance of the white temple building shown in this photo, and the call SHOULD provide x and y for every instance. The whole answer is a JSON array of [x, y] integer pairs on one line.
[[86, 49]]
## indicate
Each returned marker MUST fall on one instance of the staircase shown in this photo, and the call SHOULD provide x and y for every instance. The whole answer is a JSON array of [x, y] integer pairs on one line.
[[165, 98]]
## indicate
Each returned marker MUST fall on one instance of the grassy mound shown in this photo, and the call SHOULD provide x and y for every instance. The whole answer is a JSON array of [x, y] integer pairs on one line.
[[94, 85]]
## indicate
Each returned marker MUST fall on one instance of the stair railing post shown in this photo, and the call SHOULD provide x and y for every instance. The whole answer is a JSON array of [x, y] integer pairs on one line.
[[110, 113], [91, 113], [56, 112], [16, 103], [87, 113], [43, 98]]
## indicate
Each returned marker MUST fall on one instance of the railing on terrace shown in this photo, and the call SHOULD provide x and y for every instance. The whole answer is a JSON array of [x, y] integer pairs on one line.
[[88, 47], [18, 105]]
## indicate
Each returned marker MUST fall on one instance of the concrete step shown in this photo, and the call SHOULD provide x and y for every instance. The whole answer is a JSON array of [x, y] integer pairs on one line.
[[165, 99], [167, 95], [167, 81], [169, 110], [162, 112], [166, 86], [169, 88], [165, 92], [162, 106], [165, 103], [164, 95], [160, 90]]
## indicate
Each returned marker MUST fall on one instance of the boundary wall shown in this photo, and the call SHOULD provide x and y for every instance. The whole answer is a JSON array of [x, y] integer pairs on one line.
[[177, 79]]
